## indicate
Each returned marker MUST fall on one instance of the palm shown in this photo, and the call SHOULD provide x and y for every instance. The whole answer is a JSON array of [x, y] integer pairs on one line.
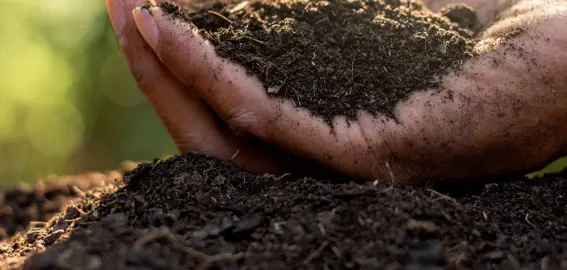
[[506, 114], [503, 101]]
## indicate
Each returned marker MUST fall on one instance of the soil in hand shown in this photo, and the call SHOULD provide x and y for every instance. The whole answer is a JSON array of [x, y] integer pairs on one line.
[[339, 56], [193, 212]]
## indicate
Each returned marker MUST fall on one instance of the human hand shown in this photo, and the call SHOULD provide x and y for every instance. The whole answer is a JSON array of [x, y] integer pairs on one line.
[[192, 124], [503, 118]]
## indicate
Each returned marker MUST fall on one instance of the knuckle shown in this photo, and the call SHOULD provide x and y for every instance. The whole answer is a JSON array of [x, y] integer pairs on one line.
[[243, 121], [123, 42], [142, 79], [141, 76], [191, 142]]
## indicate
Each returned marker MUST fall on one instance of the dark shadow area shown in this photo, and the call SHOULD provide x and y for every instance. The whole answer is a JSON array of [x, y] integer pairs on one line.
[[193, 212], [458, 188]]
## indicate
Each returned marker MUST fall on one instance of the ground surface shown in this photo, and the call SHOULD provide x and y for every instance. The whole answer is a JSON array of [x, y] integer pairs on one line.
[[192, 212]]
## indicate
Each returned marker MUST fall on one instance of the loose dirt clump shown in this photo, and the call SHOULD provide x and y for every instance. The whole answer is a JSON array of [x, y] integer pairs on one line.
[[193, 212], [339, 56]]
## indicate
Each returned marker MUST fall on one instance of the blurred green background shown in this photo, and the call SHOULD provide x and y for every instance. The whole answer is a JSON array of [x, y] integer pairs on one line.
[[68, 103]]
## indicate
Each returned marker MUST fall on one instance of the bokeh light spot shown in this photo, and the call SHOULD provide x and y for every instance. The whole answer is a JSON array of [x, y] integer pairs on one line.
[[33, 74], [7, 120], [55, 134], [118, 89]]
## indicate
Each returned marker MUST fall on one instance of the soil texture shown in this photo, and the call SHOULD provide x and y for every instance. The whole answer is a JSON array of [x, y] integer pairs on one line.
[[38, 203], [193, 212], [337, 57]]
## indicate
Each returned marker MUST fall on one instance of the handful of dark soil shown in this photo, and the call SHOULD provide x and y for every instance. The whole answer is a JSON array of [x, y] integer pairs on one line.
[[339, 56]]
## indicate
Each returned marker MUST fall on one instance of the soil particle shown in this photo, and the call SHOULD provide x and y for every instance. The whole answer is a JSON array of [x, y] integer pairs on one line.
[[338, 57], [194, 212]]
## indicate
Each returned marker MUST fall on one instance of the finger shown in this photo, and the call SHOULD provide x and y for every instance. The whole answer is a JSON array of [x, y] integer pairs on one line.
[[188, 121], [241, 101]]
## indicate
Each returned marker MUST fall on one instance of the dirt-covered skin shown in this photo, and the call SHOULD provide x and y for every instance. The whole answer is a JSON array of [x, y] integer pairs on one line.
[[193, 212], [338, 57], [511, 95]]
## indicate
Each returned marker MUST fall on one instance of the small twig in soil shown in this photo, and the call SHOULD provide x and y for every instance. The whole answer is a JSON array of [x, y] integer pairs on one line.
[[317, 252], [545, 263], [277, 178], [235, 154], [442, 196], [392, 178], [220, 16], [337, 252], [239, 7], [255, 40], [528, 221], [460, 259], [321, 229], [155, 164], [297, 96]]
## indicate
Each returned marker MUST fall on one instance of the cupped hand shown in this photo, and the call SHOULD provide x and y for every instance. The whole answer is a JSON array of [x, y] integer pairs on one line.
[[508, 111]]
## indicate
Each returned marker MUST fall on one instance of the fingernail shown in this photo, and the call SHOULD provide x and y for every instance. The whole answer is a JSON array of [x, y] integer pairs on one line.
[[146, 26], [116, 15]]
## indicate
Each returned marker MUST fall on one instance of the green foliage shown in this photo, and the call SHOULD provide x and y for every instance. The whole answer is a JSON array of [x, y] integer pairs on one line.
[[67, 100], [554, 167]]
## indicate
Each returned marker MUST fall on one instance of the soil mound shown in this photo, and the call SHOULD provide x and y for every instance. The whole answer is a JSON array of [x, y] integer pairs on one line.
[[336, 57], [21, 205], [193, 212]]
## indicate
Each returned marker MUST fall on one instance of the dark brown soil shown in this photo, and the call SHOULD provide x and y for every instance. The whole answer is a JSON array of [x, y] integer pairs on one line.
[[340, 56], [193, 212], [23, 204]]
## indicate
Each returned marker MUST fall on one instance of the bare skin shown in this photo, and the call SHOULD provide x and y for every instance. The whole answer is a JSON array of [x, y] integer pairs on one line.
[[507, 114]]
